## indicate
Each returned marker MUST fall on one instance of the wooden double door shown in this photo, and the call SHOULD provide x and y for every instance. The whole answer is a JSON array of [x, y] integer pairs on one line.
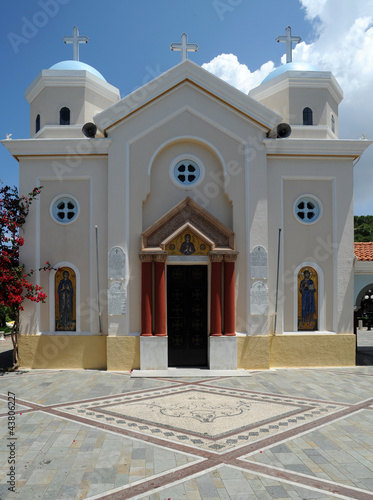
[[187, 312]]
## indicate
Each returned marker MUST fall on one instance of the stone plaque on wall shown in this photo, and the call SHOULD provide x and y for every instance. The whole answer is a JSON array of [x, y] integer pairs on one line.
[[116, 264], [259, 262], [259, 298], [117, 299]]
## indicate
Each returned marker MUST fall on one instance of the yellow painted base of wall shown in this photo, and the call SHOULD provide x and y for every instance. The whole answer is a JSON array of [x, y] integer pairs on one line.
[[253, 352], [62, 352], [123, 353], [314, 350]]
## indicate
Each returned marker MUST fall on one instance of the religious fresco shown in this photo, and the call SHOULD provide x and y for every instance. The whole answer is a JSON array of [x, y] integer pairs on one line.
[[307, 299], [65, 299], [187, 243]]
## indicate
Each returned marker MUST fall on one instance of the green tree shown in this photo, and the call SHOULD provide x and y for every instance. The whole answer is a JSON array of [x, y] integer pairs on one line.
[[363, 228]]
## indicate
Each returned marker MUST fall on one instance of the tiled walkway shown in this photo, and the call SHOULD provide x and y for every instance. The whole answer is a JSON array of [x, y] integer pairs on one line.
[[281, 434]]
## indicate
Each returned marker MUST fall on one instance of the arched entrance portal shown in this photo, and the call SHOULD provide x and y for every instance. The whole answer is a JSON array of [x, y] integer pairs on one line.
[[188, 261]]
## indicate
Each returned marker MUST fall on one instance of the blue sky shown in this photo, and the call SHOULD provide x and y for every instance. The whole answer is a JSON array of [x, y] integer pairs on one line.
[[127, 37]]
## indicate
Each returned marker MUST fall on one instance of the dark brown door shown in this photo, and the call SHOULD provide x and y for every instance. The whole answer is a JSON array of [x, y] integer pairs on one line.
[[187, 315]]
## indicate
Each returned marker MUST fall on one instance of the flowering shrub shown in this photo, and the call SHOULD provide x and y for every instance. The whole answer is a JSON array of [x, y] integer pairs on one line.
[[15, 286]]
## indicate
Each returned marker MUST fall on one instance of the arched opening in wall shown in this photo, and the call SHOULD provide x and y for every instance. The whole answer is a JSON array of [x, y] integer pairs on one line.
[[307, 299], [364, 306], [307, 116], [37, 124], [332, 123], [65, 299], [64, 116]]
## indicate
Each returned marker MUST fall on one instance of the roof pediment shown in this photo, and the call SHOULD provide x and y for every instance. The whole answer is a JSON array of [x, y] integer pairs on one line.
[[188, 215], [188, 73]]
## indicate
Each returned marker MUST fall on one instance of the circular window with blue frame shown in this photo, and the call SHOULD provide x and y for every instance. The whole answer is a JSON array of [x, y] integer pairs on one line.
[[64, 209], [307, 209], [186, 172]]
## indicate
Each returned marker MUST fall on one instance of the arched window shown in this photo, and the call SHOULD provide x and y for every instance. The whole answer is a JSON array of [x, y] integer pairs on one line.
[[332, 121], [307, 299], [65, 297], [307, 116], [37, 124], [64, 116]]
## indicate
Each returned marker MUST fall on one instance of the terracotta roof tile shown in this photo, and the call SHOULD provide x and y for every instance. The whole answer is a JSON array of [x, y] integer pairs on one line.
[[363, 250]]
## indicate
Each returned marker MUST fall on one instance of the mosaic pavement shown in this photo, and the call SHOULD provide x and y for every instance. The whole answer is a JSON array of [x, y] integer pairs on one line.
[[284, 434]]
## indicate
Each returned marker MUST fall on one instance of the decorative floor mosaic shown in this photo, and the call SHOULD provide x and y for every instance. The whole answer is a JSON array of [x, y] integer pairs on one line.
[[214, 419], [284, 434]]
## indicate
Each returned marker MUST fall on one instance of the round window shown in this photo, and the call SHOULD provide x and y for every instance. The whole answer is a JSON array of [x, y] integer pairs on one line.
[[186, 172], [307, 209], [64, 209]]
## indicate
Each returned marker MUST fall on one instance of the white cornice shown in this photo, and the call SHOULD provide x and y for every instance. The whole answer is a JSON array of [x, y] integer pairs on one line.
[[347, 148], [63, 132], [70, 78], [312, 132], [56, 147], [299, 79], [363, 267], [190, 73]]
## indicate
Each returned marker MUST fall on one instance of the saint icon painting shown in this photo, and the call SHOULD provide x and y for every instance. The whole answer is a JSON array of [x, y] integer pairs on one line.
[[307, 299], [65, 297]]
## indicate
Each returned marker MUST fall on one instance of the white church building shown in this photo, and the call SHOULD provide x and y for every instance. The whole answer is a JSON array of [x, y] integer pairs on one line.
[[190, 225]]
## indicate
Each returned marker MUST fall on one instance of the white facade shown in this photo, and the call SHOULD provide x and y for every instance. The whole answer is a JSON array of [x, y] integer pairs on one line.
[[249, 189]]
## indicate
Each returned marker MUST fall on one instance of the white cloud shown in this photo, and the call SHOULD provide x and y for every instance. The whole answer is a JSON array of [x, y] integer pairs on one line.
[[227, 67], [342, 44]]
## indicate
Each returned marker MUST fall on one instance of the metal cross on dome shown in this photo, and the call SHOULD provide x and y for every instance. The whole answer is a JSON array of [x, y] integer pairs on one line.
[[75, 40], [289, 40], [184, 47]]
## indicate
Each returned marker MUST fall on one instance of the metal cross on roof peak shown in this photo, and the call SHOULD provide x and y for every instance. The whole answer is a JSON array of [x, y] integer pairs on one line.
[[184, 47], [289, 40], [75, 40]]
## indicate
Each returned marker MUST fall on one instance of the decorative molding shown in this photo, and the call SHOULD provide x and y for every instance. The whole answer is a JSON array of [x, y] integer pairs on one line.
[[299, 79], [191, 74], [66, 147], [70, 78], [160, 257], [188, 212], [146, 257], [230, 257], [338, 148], [216, 257]]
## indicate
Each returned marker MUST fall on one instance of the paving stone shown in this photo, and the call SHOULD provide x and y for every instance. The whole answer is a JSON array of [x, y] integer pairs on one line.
[[276, 491], [206, 487], [60, 458]]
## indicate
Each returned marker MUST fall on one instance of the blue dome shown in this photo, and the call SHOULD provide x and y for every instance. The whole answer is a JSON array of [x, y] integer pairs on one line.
[[293, 66], [78, 65]]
